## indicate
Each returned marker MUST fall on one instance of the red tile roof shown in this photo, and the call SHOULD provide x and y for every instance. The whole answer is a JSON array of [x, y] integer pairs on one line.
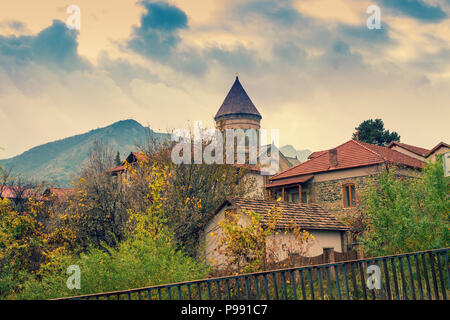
[[417, 150], [316, 154], [11, 192], [440, 144], [286, 182], [308, 216], [351, 154]]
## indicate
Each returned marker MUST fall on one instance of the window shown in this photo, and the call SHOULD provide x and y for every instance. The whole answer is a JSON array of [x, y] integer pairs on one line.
[[349, 195], [304, 196]]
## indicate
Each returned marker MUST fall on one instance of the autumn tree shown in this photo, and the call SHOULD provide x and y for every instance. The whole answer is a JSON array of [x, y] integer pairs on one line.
[[250, 241]]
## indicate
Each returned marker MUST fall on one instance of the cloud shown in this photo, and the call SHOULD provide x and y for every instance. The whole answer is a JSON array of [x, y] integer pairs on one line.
[[14, 25], [374, 36], [280, 12], [417, 9], [157, 33], [54, 47]]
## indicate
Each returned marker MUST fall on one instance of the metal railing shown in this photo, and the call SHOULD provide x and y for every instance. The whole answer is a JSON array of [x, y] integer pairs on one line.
[[417, 275]]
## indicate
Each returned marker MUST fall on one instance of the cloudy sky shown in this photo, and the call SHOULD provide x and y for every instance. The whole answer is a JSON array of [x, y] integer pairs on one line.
[[312, 67]]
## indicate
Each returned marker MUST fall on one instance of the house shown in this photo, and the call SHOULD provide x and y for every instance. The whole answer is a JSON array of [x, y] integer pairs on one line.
[[440, 148], [133, 157], [332, 178], [328, 231], [418, 152]]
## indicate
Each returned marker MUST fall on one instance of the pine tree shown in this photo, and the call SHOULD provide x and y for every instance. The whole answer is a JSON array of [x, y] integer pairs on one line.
[[117, 159]]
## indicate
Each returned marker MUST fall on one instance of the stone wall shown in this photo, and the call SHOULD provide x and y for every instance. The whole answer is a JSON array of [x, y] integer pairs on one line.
[[330, 194]]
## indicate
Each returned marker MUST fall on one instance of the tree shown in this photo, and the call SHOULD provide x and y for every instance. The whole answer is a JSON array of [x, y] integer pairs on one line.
[[406, 214], [117, 159], [250, 242], [96, 212], [193, 191], [372, 131]]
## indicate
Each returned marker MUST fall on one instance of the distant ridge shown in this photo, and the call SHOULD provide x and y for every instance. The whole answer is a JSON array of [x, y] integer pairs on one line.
[[57, 161], [290, 151]]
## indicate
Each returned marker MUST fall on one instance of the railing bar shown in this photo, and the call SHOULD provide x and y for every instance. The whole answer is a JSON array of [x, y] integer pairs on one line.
[[433, 274], [283, 277], [441, 275], [149, 291], [208, 285], [319, 272], [346, 281], [266, 287], [386, 275], [238, 289], [294, 289], [180, 295], [219, 293], [311, 283], [302, 281], [425, 273], [394, 275], [139, 295], [446, 266], [355, 286], [169, 293], [402, 274], [189, 292], [258, 297], [338, 287], [411, 278], [381, 284], [363, 281], [228, 289], [247, 288], [199, 291], [159, 294], [275, 286], [330, 289], [419, 278]]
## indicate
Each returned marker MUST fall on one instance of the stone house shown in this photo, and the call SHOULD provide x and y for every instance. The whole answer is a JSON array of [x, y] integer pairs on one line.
[[418, 152], [328, 231], [332, 178]]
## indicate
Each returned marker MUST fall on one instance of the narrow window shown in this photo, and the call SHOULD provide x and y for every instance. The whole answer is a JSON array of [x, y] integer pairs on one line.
[[349, 195], [304, 196]]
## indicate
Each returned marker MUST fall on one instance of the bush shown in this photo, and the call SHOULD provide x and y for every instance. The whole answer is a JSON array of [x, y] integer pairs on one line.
[[407, 214], [134, 263]]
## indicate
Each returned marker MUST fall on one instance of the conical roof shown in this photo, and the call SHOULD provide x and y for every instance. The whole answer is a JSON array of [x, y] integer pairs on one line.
[[237, 102]]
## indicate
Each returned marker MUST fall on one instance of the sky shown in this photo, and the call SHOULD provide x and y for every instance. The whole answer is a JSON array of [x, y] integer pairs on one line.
[[313, 68]]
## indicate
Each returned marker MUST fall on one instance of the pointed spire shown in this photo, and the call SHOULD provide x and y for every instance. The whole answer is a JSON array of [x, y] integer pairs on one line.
[[237, 102]]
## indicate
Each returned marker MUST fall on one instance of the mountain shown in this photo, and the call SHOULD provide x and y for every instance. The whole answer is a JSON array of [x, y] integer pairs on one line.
[[57, 161], [289, 151]]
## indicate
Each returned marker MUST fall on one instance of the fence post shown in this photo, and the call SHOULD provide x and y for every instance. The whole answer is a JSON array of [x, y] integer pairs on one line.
[[328, 257], [358, 249]]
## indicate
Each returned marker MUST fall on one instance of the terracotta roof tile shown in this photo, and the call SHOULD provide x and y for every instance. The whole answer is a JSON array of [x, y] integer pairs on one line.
[[307, 216], [417, 150], [351, 154]]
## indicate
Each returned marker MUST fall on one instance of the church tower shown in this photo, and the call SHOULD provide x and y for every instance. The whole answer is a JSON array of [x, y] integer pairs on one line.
[[237, 111]]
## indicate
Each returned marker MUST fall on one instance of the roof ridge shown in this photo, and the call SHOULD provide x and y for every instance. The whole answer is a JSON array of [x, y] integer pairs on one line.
[[368, 149]]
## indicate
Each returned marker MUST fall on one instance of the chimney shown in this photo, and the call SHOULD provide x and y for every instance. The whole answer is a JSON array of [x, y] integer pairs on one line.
[[333, 158]]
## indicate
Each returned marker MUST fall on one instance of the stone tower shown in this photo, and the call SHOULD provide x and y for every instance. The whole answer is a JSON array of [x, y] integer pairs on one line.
[[237, 111]]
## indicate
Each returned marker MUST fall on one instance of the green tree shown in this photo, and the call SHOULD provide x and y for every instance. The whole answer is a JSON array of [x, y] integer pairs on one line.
[[407, 214], [117, 159], [372, 131]]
